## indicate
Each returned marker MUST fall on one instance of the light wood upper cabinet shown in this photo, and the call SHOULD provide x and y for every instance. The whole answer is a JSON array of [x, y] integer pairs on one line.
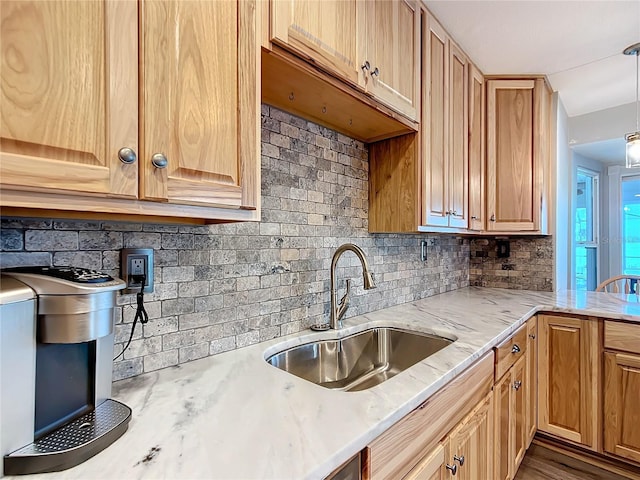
[[458, 138], [69, 96], [323, 32], [517, 153], [476, 150], [445, 129], [199, 108], [70, 105], [435, 121], [568, 372], [389, 43], [373, 45]]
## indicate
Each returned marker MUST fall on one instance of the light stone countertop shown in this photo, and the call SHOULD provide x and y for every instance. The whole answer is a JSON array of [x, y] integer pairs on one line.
[[233, 416]]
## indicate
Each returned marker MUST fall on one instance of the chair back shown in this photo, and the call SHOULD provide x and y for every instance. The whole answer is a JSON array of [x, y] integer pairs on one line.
[[627, 284]]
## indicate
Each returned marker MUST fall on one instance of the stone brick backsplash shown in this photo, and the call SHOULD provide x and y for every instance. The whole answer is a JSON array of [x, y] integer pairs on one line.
[[529, 266], [221, 287]]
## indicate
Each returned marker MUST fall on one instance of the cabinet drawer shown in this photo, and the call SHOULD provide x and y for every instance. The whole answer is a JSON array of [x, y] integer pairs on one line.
[[509, 351], [622, 336]]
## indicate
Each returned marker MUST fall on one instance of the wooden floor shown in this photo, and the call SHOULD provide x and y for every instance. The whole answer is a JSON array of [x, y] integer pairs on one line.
[[543, 464]]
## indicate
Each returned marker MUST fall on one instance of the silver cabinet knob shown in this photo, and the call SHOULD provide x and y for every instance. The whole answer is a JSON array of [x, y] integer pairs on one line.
[[493, 218], [366, 65], [454, 213], [127, 155], [473, 217], [517, 385], [375, 72], [452, 468], [459, 459], [532, 336], [515, 349], [159, 160]]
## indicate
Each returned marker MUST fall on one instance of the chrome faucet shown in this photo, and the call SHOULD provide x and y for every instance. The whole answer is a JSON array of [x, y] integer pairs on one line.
[[338, 310]]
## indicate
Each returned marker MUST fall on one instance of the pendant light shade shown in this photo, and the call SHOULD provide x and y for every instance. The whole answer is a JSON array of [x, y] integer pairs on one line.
[[633, 139], [633, 150]]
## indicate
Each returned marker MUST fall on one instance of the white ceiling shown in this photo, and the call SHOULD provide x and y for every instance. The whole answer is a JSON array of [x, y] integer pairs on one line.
[[578, 44]]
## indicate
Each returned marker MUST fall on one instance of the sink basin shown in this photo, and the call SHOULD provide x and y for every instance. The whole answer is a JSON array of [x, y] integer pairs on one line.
[[359, 361]]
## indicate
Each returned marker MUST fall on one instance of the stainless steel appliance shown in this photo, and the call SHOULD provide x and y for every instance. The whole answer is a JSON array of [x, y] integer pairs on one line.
[[56, 339]]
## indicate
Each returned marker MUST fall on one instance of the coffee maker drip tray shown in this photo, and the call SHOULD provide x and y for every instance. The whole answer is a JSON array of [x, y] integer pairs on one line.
[[72, 443]]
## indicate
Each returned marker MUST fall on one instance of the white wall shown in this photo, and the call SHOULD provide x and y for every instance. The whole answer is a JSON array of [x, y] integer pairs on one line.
[[602, 125], [561, 193]]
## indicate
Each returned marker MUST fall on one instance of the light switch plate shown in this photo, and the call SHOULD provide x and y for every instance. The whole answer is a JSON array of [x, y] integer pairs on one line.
[[135, 262]]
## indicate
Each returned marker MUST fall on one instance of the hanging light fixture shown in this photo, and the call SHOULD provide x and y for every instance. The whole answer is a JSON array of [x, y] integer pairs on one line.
[[633, 139]]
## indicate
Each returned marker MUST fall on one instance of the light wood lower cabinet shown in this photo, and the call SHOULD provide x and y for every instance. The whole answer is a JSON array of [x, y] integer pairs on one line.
[[410, 442], [432, 467], [470, 444], [510, 420], [622, 390], [568, 379], [512, 402], [466, 453], [531, 421], [621, 402]]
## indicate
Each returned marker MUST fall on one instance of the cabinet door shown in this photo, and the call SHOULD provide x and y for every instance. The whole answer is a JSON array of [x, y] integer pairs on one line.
[[323, 32], [621, 413], [391, 45], [502, 430], [470, 445], [518, 413], [514, 184], [458, 138], [476, 150], [435, 118], [531, 380], [568, 370], [69, 96], [431, 468], [200, 105]]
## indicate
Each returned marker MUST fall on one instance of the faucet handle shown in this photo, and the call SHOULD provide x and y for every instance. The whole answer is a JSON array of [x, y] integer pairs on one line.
[[344, 302], [345, 298]]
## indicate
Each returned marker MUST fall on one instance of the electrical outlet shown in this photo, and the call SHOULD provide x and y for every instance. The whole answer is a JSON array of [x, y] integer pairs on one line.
[[136, 266]]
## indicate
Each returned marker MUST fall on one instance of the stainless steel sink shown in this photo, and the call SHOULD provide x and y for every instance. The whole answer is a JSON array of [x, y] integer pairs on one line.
[[359, 361]]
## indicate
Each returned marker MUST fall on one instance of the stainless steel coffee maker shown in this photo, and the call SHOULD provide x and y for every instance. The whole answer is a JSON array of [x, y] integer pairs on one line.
[[56, 359]]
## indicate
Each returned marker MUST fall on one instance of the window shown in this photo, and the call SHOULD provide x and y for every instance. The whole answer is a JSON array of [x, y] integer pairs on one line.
[[631, 225], [586, 230]]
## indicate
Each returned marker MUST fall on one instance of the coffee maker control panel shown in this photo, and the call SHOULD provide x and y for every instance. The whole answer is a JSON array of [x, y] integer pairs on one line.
[[65, 280], [71, 274]]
